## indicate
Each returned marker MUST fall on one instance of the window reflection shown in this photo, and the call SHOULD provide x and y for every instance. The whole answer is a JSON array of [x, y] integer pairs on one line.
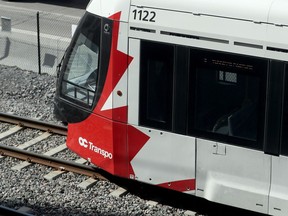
[[81, 72]]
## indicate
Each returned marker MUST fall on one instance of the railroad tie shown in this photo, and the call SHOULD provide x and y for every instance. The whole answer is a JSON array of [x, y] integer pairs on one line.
[[87, 183], [8, 133], [48, 153], [34, 141], [56, 173], [190, 213], [119, 192], [151, 203]]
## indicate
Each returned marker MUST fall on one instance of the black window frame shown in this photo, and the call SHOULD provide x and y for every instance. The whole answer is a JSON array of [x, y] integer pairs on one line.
[[177, 86], [274, 113], [183, 91], [261, 64], [284, 123], [151, 52]]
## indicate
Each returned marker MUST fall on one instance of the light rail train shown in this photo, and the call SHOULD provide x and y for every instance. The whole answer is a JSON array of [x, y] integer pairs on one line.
[[189, 95]]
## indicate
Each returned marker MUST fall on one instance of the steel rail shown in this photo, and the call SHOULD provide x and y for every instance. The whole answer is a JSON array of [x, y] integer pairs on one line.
[[59, 164], [12, 212], [33, 123]]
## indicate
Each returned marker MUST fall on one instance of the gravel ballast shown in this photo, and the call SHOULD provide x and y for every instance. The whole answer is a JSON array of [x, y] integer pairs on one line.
[[26, 93], [31, 95]]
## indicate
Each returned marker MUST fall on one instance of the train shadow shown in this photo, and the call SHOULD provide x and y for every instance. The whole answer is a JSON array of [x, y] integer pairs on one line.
[[178, 200], [48, 209], [144, 191]]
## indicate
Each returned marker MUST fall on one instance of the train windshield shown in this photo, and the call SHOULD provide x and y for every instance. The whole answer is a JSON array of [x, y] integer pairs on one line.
[[82, 62]]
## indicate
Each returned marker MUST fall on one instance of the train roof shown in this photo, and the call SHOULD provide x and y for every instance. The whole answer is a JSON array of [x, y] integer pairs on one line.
[[244, 9], [265, 11], [252, 10], [253, 27]]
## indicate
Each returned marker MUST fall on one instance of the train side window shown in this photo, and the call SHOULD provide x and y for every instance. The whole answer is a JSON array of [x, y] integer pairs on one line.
[[227, 77], [227, 97], [156, 83], [284, 144]]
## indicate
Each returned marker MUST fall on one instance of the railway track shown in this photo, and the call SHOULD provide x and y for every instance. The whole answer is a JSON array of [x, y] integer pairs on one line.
[[20, 151], [4, 211]]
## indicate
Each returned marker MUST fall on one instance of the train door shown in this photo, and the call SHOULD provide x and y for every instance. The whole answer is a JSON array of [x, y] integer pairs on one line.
[[227, 109], [278, 200], [159, 151]]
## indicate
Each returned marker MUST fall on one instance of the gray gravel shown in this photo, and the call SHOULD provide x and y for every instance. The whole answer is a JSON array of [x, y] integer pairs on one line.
[[28, 94], [4, 127]]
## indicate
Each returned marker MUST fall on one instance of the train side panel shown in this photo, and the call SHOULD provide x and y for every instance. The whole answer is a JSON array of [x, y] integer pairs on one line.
[[233, 176], [162, 158]]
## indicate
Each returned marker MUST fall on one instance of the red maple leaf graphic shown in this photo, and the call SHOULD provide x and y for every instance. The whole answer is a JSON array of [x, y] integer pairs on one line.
[[136, 141], [118, 64]]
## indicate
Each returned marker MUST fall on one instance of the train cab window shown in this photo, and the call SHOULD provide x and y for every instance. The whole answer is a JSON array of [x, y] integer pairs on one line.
[[227, 96], [156, 75], [81, 71]]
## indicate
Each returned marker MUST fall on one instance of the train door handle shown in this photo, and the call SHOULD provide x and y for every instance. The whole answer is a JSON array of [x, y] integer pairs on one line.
[[219, 149]]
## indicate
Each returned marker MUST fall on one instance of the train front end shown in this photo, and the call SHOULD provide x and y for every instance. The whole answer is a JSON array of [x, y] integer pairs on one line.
[[91, 93]]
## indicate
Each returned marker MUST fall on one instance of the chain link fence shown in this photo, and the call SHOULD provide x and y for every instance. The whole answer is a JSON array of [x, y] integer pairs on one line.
[[37, 41]]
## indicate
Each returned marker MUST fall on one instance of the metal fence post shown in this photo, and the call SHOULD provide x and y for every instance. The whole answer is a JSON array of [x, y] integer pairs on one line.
[[6, 24], [38, 42]]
